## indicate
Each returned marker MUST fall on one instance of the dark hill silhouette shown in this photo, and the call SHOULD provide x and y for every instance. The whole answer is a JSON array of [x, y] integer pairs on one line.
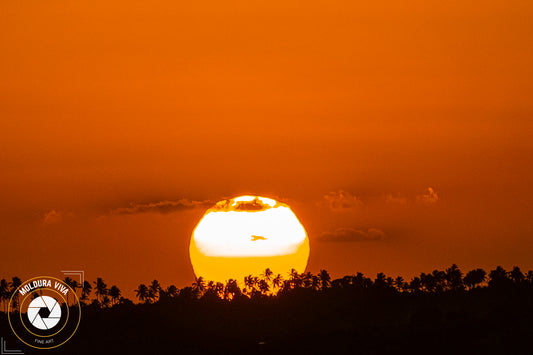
[[440, 312]]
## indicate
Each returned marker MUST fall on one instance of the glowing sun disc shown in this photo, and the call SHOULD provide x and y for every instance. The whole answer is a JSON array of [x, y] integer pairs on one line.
[[244, 236]]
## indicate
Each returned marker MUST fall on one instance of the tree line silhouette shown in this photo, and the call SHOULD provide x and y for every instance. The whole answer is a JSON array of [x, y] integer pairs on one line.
[[267, 284], [442, 311]]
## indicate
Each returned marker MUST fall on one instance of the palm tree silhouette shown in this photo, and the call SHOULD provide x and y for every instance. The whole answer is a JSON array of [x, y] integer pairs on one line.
[[325, 279], [210, 285], [14, 284], [529, 277], [198, 286], [142, 293], [474, 278], [68, 281], [399, 284], [416, 284], [361, 282], [263, 286], [153, 290], [249, 284], [435, 282], [267, 275], [232, 290], [440, 280], [307, 279], [315, 283], [106, 302], [210, 291], [516, 275], [380, 282], [389, 281], [101, 288], [427, 282], [73, 284], [219, 288], [454, 278], [114, 293], [347, 281], [295, 279], [86, 290], [498, 277], [277, 281], [4, 293], [172, 291]]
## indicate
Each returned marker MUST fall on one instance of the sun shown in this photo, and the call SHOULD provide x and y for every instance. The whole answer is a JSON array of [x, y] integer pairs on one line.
[[245, 235]]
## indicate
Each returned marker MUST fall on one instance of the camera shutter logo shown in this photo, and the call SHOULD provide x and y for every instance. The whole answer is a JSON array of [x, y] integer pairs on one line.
[[44, 312]]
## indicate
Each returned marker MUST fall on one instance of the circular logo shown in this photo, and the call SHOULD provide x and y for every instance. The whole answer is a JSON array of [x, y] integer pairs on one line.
[[44, 312]]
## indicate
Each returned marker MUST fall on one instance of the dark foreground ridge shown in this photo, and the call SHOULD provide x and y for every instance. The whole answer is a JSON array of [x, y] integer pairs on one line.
[[437, 313]]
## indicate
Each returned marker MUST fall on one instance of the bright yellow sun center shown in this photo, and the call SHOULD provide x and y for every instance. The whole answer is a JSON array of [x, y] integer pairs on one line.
[[244, 236]]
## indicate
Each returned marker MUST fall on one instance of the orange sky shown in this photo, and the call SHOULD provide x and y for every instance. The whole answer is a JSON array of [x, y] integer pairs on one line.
[[105, 106]]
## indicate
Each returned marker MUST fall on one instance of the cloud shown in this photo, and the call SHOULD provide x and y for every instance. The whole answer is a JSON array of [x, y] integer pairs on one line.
[[52, 217], [246, 203], [163, 207], [341, 201], [352, 235], [428, 199], [395, 200]]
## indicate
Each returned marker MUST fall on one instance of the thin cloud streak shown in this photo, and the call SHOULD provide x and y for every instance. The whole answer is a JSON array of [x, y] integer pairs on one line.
[[352, 235], [341, 201], [162, 207]]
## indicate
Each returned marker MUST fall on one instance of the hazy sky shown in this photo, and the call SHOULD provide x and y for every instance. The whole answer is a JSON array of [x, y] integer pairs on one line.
[[121, 122]]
